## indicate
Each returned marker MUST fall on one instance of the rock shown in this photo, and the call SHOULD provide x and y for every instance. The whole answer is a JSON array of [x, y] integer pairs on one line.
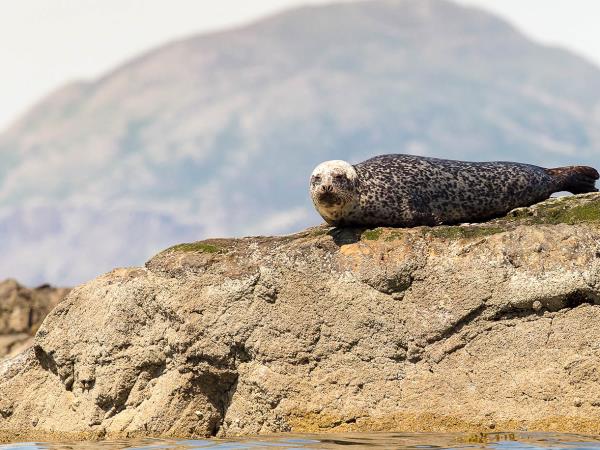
[[422, 329], [22, 310]]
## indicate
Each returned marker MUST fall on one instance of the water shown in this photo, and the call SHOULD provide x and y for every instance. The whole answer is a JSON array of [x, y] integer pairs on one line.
[[413, 441]]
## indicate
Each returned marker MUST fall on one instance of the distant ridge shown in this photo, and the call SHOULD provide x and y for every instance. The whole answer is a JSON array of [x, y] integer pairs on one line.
[[216, 134]]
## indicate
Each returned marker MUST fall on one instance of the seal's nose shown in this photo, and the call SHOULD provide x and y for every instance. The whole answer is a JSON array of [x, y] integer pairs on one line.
[[326, 188]]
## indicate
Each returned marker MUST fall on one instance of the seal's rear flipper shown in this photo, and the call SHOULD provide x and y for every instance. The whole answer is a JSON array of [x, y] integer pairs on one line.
[[575, 179]]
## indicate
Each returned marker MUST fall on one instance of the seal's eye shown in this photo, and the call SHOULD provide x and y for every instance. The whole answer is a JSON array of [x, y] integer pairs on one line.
[[338, 176], [316, 179]]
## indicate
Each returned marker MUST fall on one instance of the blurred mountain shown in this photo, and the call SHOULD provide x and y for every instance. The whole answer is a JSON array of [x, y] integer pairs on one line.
[[217, 134]]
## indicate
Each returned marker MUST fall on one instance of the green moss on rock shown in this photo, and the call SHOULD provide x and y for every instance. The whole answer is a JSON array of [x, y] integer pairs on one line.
[[583, 213], [393, 236], [372, 235], [568, 210], [200, 247]]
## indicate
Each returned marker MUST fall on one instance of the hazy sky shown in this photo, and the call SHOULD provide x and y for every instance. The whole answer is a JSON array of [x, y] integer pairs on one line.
[[46, 43]]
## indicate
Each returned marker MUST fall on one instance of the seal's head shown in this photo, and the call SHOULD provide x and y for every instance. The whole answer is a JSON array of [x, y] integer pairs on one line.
[[334, 189]]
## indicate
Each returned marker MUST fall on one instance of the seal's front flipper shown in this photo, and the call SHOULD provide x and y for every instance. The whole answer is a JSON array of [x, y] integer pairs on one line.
[[575, 179]]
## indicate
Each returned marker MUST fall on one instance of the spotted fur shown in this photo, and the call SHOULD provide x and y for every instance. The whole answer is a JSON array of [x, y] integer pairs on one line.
[[406, 190]]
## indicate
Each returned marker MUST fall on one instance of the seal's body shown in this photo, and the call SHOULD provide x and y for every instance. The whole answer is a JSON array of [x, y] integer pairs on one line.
[[406, 190]]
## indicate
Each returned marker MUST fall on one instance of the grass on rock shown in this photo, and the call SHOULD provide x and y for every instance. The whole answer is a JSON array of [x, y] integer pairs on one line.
[[200, 247]]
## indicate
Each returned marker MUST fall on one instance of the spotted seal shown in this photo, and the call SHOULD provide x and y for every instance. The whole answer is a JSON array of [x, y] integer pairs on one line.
[[406, 190]]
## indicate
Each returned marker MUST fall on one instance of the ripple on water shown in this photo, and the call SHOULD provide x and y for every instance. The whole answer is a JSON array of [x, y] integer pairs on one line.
[[491, 441]]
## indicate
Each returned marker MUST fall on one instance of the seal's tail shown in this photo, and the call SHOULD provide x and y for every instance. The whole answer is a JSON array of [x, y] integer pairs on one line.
[[575, 179]]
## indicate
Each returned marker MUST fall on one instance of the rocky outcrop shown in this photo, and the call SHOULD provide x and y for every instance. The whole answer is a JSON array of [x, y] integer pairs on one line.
[[474, 327], [22, 310]]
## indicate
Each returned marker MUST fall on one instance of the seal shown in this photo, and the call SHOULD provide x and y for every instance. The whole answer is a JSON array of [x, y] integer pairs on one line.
[[406, 190]]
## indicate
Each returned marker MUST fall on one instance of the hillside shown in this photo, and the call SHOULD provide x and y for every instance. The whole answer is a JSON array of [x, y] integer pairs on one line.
[[215, 135]]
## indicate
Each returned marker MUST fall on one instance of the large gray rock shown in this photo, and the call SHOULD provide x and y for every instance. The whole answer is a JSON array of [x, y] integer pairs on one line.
[[477, 327], [191, 138]]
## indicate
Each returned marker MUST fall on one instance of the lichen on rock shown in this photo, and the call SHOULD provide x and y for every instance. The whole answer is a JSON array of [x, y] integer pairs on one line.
[[424, 329], [569, 210]]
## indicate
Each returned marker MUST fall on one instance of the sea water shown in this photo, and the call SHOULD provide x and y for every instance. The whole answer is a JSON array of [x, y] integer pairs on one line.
[[355, 441]]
